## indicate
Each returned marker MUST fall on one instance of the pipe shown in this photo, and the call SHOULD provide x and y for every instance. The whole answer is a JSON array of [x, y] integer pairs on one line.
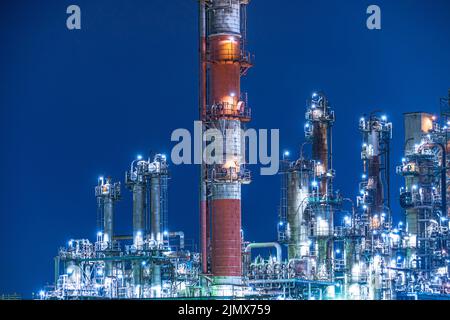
[[122, 237], [202, 115], [257, 245]]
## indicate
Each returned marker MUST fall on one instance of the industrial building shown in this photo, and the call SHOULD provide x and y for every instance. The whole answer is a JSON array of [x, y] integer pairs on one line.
[[338, 246]]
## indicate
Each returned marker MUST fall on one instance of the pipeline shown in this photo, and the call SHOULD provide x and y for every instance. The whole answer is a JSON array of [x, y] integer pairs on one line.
[[256, 245]]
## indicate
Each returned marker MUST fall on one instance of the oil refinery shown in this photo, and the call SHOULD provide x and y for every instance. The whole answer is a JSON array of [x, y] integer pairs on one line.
[[330, 246]]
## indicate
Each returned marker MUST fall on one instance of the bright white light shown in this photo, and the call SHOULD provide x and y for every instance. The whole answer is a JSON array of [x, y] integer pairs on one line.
[[281, 223], [139, 157], [99, 234], [70, 243], [362, 119], [364, 176], [287, 153], [338, 251], [163, 156], [403, 160], [166, 233], [414, 187], [314, 184], [314, 94], [232, 94], [361, 192], [384, 118], [144, 263]]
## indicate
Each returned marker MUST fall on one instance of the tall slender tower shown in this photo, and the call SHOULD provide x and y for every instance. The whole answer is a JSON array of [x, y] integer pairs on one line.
[[318, 130], [223, 108], [374, 189]]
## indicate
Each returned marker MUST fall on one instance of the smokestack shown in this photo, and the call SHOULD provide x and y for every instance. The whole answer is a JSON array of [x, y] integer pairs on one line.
[[225, 110]]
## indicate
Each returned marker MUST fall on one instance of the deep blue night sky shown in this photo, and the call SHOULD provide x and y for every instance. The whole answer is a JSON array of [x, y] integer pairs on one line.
[[78, 104]]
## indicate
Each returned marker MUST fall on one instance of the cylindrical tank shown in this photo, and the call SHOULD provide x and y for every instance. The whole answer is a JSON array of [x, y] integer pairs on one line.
[[108, 223], [107, 194], [139, 196], [155, 205], [297, 229], [320, 152]]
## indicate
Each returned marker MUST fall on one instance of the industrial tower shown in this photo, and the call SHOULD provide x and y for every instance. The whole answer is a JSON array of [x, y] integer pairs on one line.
[[223, 107]]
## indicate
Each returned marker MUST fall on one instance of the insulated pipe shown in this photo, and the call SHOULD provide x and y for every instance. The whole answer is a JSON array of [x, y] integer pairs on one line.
[[255, 245], [202, 115]]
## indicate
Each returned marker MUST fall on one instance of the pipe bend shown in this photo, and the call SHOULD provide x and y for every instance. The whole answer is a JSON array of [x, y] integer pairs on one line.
[[257, 245]]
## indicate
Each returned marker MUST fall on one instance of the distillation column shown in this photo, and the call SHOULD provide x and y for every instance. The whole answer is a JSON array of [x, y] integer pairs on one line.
[[107, 193], [416, 126], [377, 133], [320, 119], [158, 171], [155, 205], [225, 110], [137, 180], [421, 197], [298, 181], [373, 201]]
